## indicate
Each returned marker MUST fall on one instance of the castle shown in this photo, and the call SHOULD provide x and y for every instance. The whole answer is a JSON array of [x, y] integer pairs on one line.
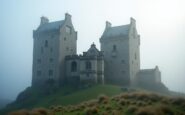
[[118, 62]]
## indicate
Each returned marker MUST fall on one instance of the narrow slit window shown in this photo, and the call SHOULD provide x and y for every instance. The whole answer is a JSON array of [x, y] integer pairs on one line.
[[46, 43]]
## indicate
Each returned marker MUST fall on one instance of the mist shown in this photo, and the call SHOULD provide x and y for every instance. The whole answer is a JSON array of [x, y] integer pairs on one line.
[[160, 24]]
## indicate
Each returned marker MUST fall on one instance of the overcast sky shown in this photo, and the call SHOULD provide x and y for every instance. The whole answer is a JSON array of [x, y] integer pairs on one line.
[[161, 24]]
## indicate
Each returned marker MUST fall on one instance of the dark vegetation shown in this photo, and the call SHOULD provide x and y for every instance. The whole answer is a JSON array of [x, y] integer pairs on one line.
[[133, 103], [4, 102], [94, 100]]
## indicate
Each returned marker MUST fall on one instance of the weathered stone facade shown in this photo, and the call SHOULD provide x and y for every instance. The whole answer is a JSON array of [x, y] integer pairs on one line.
[[53, 41], [118, 62], [120, 45], [87, 68]]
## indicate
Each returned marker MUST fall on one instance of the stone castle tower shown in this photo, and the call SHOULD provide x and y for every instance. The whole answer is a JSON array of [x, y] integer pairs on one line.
[[53, 41], [120, 45], [118, 62]]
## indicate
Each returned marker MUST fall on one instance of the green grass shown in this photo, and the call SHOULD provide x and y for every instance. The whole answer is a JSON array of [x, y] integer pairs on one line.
[[127, 104], [63, 96], [103, 100], [78, 96]]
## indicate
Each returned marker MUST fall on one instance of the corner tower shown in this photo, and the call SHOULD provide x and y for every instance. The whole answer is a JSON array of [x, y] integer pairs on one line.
[[120, 45], [52, 42]]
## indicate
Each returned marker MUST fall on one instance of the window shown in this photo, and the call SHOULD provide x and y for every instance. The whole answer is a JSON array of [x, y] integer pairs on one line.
[[135, 56], [88, 65], [46, 43], [39, 73], [123, 61], [114, 48], [64, 38], [73, 66], [50, 72], [68, 29]]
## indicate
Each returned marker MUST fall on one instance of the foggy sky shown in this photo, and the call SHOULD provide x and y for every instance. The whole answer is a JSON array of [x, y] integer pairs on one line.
[[160, 23]]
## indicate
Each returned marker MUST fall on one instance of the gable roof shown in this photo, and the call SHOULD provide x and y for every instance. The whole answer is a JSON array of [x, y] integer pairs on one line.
[[93, 51], [116, 31], [50, 26]]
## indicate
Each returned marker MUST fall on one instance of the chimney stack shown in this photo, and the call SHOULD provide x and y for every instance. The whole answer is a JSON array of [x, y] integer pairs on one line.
[[108, 24], [67, 16], [44, 20]]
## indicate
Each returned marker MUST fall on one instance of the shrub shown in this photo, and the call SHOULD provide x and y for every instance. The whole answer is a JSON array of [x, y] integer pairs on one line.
[[140, 103], [19, 112], [141, 96], [91, 111], [154, 97], [165, 101], [103, 99], [91, 103], [131, 109], [82, 106], [115, 98], [122, 102], [40, 111], [115, 112], [146, 111], [178, 101], [165, 110], [108, 108]]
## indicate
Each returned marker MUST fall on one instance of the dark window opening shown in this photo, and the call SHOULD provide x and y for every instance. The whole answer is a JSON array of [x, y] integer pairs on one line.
[[67, 48], [123, 61], [64, 38], [88, 65], [73, 66], [46, 43], [114, 48]]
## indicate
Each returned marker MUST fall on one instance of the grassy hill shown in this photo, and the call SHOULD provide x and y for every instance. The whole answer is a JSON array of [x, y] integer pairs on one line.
[[31, 98], [95, 100]]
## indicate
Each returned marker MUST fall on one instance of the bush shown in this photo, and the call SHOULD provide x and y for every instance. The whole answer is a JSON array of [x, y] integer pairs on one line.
[[91, 111], [165, 110], [19, 112], [122, 102], [146, 111], [131, 109], [40, 111], [103, 99]]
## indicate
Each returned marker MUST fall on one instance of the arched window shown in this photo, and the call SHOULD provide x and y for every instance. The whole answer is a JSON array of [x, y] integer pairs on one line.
[[114, 47], [73, 66], [88, 65], [46, 43]]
